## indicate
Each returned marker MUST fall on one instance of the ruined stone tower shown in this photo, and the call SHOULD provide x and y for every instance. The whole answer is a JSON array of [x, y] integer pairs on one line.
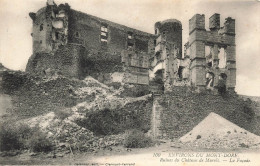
[[168, 48], [50, 27], [212, 53]]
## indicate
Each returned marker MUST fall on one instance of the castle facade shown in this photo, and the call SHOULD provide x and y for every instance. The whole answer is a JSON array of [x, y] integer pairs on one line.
[[76, 44]]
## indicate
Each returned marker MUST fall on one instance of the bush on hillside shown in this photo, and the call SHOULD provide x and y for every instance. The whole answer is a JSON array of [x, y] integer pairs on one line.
[[13, 137], [39, 142], [137, 139], [115, 85], [222, 90], [21, 136], [106, 121], [135, 91], [248, 109], [101, 122]]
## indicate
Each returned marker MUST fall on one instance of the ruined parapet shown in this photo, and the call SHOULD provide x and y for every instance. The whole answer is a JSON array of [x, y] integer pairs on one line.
[[50, 27], [171, 29], [212, 52], [214, 22], [229, 26], [197, 22], [57, 26], [67, 60]]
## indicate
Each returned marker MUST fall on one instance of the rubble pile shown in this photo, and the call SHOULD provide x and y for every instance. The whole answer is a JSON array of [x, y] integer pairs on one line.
[[215, 132], [65, 133]]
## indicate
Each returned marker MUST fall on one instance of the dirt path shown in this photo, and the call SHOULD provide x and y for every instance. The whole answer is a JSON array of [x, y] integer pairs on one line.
[[154, 156]]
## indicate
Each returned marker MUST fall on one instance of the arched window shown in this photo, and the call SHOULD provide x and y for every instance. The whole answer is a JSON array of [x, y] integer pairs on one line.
[[209, 80]]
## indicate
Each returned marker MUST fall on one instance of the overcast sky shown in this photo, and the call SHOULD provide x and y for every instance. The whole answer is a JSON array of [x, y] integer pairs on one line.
[[16, 41]]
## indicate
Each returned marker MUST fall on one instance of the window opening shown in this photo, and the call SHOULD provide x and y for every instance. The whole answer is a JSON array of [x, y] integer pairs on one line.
[[222, 58], [130, 35], [104, 33], [57, 35], [209, 80], [180, 72], [130, 45], [41, 27], [208, 56], [103, 28]]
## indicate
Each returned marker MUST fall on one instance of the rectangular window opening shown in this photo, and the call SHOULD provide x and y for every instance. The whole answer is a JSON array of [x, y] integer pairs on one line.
[[104, 28], [222, 58], [130, 35], [130, 45], [57, 35], [103, 40], [103, 34]]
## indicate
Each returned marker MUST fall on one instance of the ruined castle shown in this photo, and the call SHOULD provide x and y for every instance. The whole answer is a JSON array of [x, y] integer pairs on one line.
[[77, 44]]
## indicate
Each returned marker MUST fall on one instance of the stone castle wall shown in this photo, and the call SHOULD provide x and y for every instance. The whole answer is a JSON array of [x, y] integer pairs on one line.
[[108, 47], [66, 61], [208, 49], [139, 57], [177, 112], [86, 29]]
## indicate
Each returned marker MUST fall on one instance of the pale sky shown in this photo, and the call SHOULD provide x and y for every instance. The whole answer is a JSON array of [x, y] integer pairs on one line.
[[16, 41]]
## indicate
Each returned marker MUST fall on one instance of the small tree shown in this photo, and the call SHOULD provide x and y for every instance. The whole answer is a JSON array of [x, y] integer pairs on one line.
[[39, 142], [221, 87], [137, 139]]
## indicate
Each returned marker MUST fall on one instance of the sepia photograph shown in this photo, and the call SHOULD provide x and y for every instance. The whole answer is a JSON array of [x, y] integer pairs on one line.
[[130, 82]]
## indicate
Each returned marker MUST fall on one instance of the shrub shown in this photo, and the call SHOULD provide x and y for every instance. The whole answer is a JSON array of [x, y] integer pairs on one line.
[[135, 91], [106, 121], [13, 137], [115, 85], [247, 108], [221, 87], [102, 122], [21, 136], [39, 142], [63, 113], [137, 139]]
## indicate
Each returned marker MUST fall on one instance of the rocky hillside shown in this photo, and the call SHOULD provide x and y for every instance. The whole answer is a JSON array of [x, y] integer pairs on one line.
[[63, 108]]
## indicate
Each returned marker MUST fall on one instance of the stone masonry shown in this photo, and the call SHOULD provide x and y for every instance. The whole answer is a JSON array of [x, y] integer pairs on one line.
[[76, 44], [212, 53]]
